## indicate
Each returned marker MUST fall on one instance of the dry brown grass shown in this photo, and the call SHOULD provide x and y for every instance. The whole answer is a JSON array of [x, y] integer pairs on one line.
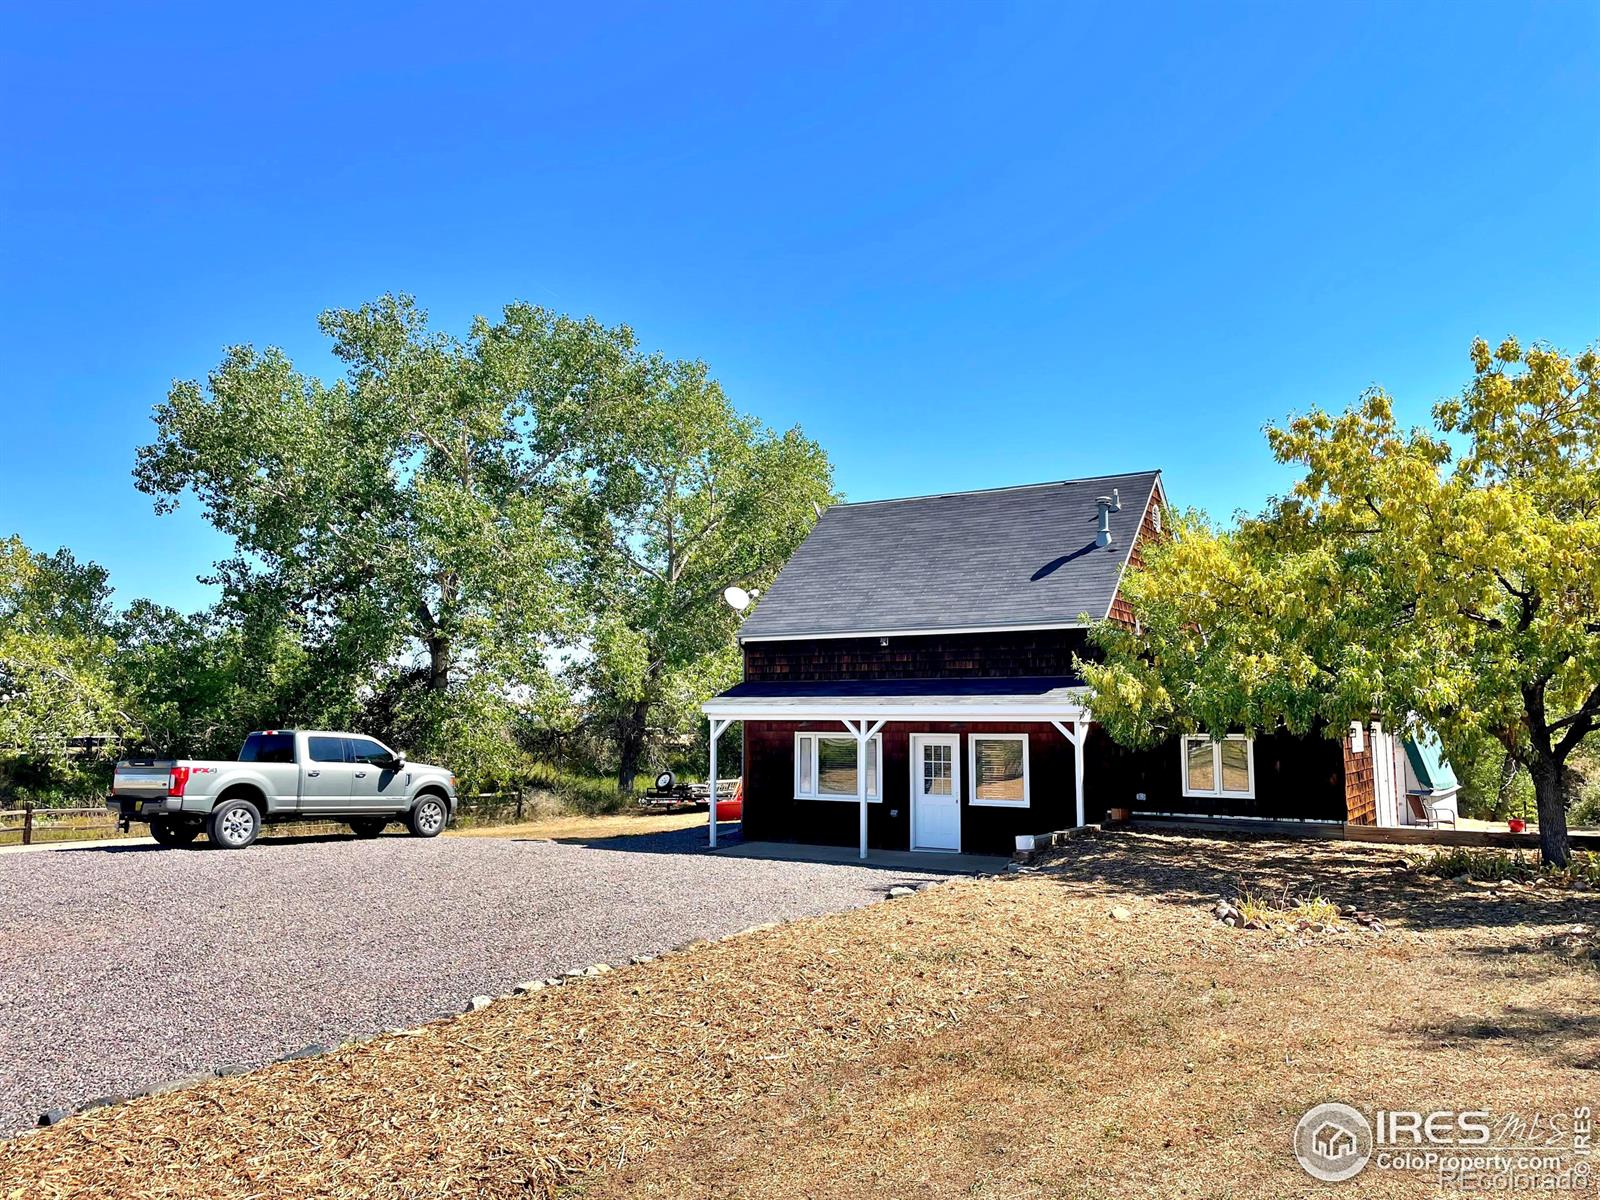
[[579, 827], [997, 1039]]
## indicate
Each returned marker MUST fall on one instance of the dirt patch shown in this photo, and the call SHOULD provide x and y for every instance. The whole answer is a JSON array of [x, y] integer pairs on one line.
[[998, 1038]]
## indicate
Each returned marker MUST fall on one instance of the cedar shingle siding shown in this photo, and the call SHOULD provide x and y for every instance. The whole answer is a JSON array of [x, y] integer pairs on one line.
[[1360, 787], [938, 656]]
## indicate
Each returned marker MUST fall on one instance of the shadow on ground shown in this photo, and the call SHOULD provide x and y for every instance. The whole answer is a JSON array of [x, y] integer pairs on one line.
[[1183, 870]]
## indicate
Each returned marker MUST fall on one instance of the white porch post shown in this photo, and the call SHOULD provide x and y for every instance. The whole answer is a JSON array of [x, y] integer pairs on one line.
[[1076, 735], [863, 735], [717, 728]]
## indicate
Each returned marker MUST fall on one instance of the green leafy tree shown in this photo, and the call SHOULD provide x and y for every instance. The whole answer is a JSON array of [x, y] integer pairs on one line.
[[54, 651], [1450, 576], [412, 512], [687, 497], [193, 684]]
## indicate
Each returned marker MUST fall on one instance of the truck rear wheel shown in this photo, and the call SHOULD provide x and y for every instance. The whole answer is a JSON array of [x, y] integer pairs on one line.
[[174, 833], [428, 817], [234, 824]]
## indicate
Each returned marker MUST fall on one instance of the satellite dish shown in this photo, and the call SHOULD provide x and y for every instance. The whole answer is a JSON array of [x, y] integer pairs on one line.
[[738, 599]]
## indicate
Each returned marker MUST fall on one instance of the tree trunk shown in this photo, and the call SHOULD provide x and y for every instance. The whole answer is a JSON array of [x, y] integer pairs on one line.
[[438, 662], [630, 745], [1550, 791]]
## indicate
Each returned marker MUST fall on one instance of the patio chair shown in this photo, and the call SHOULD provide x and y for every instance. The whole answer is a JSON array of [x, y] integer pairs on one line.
[[1430, 810]]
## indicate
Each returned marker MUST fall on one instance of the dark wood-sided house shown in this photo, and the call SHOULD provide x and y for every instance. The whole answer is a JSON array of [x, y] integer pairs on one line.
[[909, 684]]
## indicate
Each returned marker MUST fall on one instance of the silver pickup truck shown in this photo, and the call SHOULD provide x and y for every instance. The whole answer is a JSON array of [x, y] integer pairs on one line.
[[283, 775]]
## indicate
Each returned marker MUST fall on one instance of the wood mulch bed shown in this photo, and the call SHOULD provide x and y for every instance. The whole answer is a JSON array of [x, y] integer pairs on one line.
[[1005, 1037]]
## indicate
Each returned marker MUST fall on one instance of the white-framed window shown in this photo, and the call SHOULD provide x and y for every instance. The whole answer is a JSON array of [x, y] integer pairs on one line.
[[997, 764], [1225, 768], [825, 766]]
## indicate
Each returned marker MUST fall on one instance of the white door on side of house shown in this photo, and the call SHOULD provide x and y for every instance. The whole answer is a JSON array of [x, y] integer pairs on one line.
[[935, 791]]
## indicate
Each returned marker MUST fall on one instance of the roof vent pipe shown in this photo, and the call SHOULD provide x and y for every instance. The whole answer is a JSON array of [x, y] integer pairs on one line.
[[1107, 505]]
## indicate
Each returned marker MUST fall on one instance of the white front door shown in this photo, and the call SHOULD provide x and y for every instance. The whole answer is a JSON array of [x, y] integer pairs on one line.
[[935, 791]]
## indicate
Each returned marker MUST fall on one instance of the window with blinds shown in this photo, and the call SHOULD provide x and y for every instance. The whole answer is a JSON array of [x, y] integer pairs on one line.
[[998, 763], [825, 767]]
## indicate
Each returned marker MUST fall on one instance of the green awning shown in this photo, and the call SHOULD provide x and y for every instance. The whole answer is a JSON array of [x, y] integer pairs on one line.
[[1428, 761]]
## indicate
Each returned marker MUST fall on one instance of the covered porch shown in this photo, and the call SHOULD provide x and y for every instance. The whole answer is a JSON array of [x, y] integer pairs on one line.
[[930, 720]]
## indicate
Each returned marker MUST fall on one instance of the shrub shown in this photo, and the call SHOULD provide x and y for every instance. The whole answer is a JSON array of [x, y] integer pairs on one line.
[[1499, 866]]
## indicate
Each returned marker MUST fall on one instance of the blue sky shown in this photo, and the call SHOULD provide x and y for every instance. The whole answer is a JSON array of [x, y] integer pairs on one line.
[[963, 246]]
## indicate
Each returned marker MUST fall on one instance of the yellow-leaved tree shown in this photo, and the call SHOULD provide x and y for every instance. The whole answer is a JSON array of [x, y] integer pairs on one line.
[[1448, 576]]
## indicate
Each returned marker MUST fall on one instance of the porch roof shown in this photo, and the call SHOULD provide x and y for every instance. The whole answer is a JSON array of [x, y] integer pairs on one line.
[[1018, 698]]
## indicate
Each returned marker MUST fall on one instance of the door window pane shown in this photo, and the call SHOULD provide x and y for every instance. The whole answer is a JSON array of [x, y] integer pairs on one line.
[[1200, 764], [365, 750], [998, 769], [1235, 765], [326, 749], [936, 763]]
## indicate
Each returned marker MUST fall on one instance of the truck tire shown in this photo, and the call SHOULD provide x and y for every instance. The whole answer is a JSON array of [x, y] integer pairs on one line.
[[368, 827], [234, 824], [427, 817], [174, 833]]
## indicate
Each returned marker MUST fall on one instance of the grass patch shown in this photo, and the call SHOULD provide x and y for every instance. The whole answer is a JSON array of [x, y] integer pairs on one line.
[[1281, 908], [588, 794]]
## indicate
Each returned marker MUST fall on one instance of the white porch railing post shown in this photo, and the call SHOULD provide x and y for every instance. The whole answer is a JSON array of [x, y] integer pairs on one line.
[[864, 735], [717, 728], [1077, 735], [1081, 731]]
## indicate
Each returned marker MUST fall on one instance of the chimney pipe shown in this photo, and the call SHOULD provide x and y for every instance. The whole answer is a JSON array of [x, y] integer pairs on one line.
[[1107, 505]]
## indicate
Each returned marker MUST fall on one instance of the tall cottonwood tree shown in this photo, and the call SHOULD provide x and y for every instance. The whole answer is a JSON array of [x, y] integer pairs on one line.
[[418, 506], [1449, 576], [55, 615], [687, 496]]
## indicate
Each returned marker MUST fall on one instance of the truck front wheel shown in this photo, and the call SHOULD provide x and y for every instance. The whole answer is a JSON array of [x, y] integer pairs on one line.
[[234, 824], [428, 818], [174, 833]]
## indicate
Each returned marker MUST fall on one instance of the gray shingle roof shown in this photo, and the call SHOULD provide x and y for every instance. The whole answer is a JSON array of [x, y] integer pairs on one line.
[[966, 560]]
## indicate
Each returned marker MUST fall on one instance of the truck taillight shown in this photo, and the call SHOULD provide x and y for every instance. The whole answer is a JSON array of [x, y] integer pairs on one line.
[[177, 781]]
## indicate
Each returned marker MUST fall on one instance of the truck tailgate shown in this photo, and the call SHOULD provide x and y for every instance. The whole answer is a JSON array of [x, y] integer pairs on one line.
[[141, 780]]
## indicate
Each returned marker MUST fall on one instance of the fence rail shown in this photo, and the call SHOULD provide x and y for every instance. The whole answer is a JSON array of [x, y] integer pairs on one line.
[[38, 823]]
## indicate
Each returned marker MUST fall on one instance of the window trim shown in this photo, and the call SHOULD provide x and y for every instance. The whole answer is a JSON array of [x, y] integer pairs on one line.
[[972, 770], [1217, 793], [874, 743]]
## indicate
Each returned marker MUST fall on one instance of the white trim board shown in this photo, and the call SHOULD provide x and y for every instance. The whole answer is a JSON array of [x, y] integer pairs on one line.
[[1155, 490], [888, 710], [884, 633]]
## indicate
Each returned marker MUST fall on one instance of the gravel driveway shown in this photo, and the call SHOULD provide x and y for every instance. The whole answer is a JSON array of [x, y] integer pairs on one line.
[[126, 966]]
